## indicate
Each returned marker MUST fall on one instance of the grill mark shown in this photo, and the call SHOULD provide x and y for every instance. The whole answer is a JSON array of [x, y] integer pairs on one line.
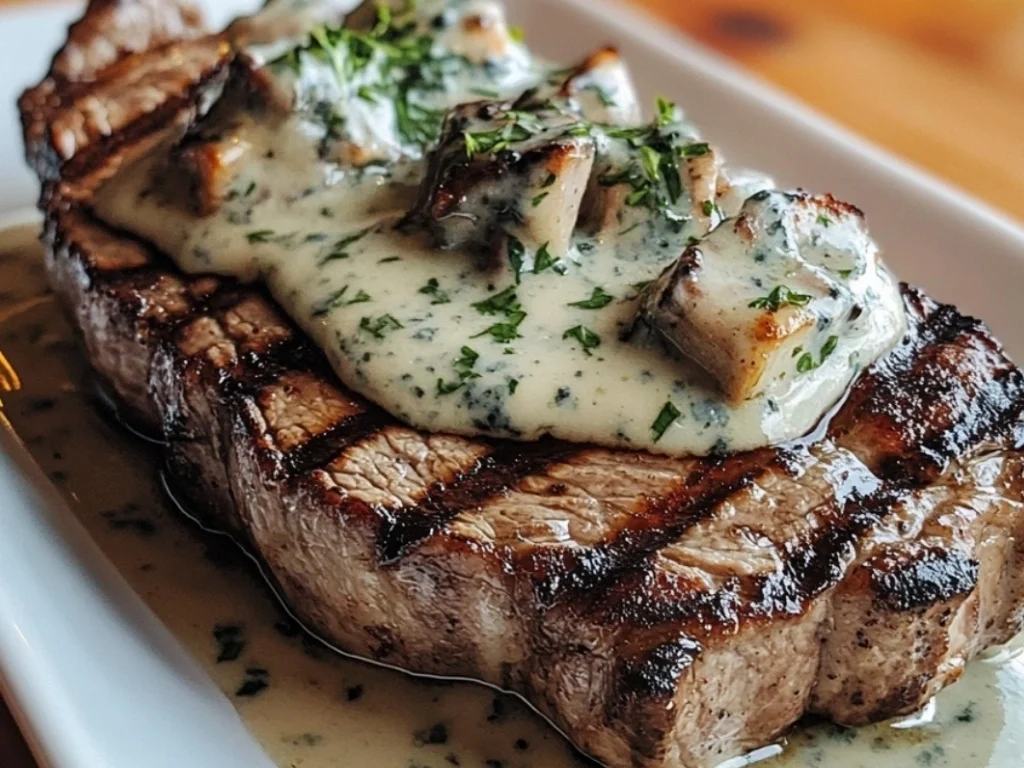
[[405, 528], [809, 569], [934, 576], [322, 448], [646, 602], [894, 398], [590, 578], [92, 156]]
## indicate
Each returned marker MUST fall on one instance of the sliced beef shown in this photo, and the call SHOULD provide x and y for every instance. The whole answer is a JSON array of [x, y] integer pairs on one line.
[[662, 612]]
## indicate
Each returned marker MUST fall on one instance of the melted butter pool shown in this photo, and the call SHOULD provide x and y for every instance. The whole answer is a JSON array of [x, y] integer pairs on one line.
[[308, 706]]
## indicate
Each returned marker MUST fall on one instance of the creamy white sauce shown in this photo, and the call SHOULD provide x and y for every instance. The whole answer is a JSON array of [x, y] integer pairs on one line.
[[314, 208], [321, 710]]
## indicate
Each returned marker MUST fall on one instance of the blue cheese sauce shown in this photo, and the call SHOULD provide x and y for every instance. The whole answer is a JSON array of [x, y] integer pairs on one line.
[[540, 262], [310, 707]]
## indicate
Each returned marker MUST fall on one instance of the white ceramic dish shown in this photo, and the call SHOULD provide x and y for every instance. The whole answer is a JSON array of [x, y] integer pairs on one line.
[[70, 627]]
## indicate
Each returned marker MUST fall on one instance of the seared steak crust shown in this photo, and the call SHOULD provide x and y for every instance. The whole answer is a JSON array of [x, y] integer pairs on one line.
[[661, 611]]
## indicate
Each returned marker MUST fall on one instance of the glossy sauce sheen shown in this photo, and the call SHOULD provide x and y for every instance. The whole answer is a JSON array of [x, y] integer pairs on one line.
[[308, 706], [410, 326]]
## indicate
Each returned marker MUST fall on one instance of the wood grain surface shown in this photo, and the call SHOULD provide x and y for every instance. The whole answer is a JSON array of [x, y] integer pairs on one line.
[[939, 82]]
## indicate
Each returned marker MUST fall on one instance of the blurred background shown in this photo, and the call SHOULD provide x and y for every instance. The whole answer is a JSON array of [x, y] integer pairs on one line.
[[939, 82]]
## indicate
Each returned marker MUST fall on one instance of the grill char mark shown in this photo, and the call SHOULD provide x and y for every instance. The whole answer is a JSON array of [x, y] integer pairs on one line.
[[937, 575], [588, 578], [490, 477], [946, 387]]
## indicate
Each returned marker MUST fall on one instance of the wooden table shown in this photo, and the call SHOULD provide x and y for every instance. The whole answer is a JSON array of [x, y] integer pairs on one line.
[[940, 82]]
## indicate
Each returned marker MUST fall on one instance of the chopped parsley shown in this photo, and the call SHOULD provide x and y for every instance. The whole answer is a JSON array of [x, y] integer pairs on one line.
[[433, 290], [587, 339], [707, 207], [504, 303], [653, 172], [513, 385], [380, 326], [824, 220], [340, 299], [781, 296], [544, 260], [538, 199], [259, 236], [498, 303], [402, 59], [602, 95], [256, 680], [549, 181], [230, 642], [506, 331], [598, 300], [668, 414], [447, 387], [521, 126], [464, 370], [340, 248], [806, 361], [464, 365], [516, 255], [697, 149], [351, 238], [507, 303]]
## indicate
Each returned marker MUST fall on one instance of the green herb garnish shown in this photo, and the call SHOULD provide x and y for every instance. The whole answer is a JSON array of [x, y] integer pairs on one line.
[[464, 364], [598, 299], [807, 363], [781, 296], [500, 302], [447, 387], [230, 642], [433, 290], [260, 236], [516, 255], [668, 414], [544, 260], [339, 299], [380, 326], [698, 149], [587, 339], [507, 331]]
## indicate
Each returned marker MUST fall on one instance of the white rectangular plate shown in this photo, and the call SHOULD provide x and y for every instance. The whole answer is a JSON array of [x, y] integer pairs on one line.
[[69, 627]]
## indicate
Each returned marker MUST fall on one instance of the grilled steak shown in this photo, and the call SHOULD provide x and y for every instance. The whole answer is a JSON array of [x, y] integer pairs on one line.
[[661, 611]]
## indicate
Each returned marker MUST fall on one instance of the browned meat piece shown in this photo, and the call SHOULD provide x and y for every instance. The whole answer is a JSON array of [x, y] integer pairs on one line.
[[663, 612], [128, 69], [208, 159], [603, 89], [499, 171]]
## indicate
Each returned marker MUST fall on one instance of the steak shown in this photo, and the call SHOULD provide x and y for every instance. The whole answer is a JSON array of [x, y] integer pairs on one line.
[[660, 611]]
